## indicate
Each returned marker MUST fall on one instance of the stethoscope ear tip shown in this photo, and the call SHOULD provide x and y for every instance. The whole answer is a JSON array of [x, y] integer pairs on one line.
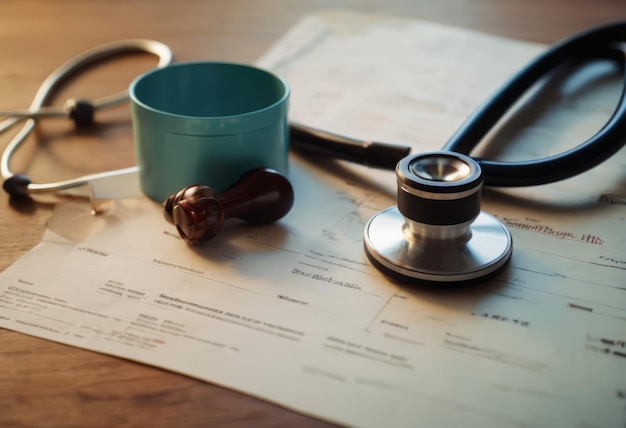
[[82, 112], [17, 185]]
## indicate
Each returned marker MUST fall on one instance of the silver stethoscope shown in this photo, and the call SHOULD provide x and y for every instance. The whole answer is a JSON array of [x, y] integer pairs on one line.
[[80, 111], [437, 233]]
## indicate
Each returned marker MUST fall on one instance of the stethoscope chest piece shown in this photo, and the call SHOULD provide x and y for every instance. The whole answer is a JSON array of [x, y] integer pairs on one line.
[[437, 232]]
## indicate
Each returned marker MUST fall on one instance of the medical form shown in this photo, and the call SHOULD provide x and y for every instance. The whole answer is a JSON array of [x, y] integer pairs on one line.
[[293, 312]]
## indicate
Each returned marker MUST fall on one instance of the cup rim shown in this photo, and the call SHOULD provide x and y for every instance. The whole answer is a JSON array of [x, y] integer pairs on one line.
[[204, 125]]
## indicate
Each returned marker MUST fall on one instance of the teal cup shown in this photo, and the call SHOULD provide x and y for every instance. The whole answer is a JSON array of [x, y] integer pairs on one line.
[[207, 123]]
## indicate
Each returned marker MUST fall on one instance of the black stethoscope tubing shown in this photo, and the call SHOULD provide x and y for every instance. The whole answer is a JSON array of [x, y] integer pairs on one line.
[[599, 42]]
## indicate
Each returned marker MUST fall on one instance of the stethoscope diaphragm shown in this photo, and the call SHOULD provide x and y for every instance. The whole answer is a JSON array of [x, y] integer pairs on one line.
[[437, 232]]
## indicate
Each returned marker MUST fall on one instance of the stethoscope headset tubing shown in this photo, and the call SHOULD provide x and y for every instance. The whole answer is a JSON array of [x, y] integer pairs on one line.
[[80, 111]]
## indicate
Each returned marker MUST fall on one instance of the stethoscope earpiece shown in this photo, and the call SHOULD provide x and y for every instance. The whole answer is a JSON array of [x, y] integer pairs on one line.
[[437, 232], [82, 112]]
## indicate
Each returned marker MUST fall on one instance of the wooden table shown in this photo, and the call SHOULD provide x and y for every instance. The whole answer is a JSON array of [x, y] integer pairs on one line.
[[49, 384]]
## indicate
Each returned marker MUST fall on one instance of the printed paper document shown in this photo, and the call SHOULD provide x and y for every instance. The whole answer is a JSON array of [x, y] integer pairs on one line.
[[294, 313]]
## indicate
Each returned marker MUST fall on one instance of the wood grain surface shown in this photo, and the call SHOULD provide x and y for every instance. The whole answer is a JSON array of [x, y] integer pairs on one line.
[[48, 384]]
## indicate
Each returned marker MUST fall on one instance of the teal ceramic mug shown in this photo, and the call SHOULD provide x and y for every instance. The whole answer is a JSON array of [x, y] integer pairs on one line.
[[207, 123]]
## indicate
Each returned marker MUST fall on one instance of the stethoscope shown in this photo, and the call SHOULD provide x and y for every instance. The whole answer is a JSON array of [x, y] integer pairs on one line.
[[437, 233], [82, 112]]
